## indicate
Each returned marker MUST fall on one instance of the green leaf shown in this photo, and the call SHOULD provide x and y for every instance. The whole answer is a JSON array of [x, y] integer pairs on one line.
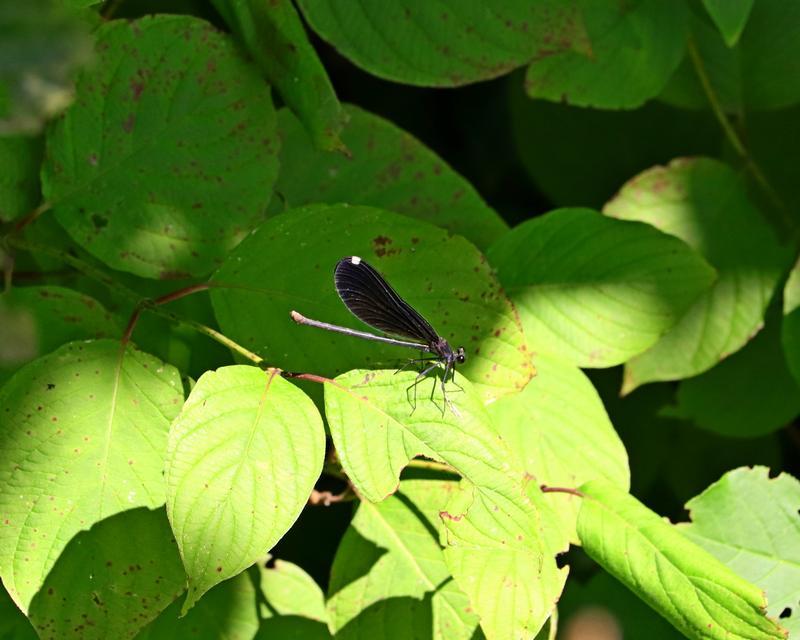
[[730, 16], [703, 202], [559, 431], [282, 266], [448, 44], [749, 521], [290, 594], [496, 532], [550, 137], [13, 623], [19, 175], [273, 34], [85, 431], [694, 591], [43, 44], [633, 49], [36, 320], [246, 447], [229, 610], [105, 585], [758, 73], [389, 578], [602, 603], [386, 168], [166, 160], [790, 327], [596, 291], [731, 400]]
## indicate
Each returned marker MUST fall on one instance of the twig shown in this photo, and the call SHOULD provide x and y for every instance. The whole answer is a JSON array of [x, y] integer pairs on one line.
[[327, 498], [569, 490]]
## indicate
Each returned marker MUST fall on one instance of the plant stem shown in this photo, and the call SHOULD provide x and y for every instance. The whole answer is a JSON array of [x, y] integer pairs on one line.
[[733, 137], [150, 305]]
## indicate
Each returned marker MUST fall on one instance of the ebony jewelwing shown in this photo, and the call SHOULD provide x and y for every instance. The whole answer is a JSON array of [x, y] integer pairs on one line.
[[373, 301]]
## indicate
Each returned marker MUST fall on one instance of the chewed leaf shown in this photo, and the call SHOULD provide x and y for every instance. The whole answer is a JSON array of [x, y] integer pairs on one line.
[[283, 267], [246, 448]]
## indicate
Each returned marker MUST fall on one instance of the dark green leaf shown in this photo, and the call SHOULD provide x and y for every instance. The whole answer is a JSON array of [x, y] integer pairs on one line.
[[19, 175], [85, 433], [633, 48], [288, 264], [166, 160], [445, 44], [595, 291], [730, 16], [698, 594], [749, 521], [704, 203], [273, 34], [386, 168], [790, 328]]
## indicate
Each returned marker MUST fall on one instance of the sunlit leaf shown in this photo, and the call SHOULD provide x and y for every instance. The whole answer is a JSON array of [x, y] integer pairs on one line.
[[596, 291], [698, 594], [387, 168], [243, 456], [166, 159], [84, 437], [750, 522], [704, 203], [287, 264]]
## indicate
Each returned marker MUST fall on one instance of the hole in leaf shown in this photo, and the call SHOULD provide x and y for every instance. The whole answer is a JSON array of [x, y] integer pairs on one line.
[[786, 613]]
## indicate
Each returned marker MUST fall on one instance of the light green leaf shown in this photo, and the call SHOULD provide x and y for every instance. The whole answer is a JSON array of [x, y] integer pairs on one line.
[[112, 580], [596, 291], [698, 594], [749, 394], [758, 73], [229, 610], [633, 49], [559, 431], [167, 158], [703, 202], [85, 432], [242, 459], [495, 530], [43, 44], [790, 327], [730, 16], [19, 175], [274, 36], [750, 522], [445, 44], [289, 592], [36, 320], [387, 168], [283, 267], [389, 578]]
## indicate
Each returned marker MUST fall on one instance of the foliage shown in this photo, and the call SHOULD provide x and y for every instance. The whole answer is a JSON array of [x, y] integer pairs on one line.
[[598, 201]]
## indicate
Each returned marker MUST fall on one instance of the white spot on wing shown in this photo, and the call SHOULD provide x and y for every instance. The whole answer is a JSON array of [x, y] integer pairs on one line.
[[355, 260]]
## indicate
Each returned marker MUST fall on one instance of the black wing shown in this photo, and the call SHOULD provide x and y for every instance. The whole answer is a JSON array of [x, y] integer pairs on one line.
[[372, 300]]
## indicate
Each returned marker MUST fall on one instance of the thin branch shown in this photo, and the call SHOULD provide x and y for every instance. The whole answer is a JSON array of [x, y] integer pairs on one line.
[[31, 216], [327, 498], [569, 490]]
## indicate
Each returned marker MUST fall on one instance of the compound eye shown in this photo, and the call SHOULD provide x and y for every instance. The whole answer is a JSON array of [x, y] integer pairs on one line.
[[461, 357]]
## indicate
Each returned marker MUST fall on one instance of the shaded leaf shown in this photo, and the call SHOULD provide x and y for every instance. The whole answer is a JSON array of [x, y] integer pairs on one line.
[[389, 578], [730, 16], [43, 44], [633, 48], [36, 320], [175, 130], [790, 327], [751, 393], [85, 432], [13, 623], [497, 535], [559, 431], [704, 203], [101, 587], [19, 175], [282, 266], [749, 521], [698, 594], [274, 36], [246, 447], [447, 44], [386, 168], [596, 291]]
